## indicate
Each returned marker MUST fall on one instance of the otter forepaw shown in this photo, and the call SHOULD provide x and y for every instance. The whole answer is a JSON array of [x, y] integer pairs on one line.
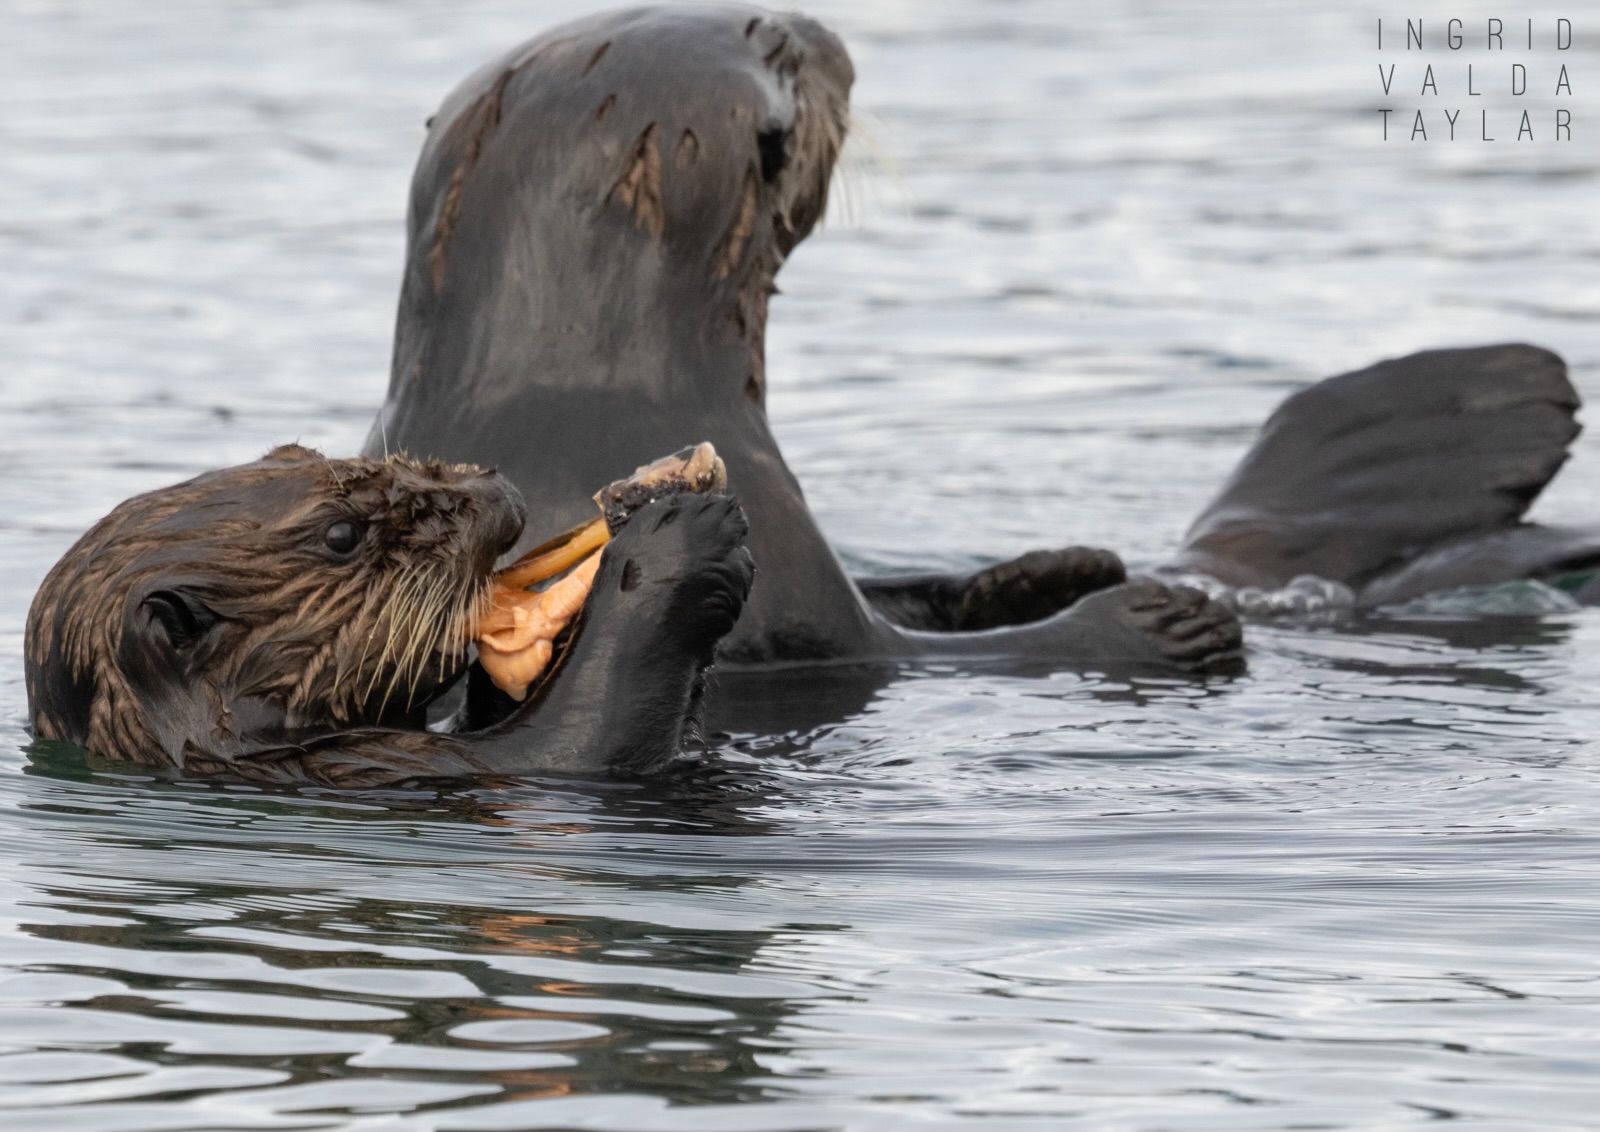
[[1039, 584], [1190, 629], [687, 553]]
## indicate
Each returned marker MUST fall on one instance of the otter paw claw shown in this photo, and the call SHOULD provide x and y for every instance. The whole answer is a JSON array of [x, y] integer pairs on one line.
[[1190, 629]]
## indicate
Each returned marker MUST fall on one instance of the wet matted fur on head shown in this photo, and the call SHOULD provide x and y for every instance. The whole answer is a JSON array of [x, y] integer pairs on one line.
[[265, 603]]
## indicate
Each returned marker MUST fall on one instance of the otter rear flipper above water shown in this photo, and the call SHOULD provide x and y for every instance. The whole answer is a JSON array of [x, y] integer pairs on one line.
[[291, 619], [1408, 476]]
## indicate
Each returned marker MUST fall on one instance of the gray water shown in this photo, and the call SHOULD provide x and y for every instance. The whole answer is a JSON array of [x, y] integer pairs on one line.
[[1081, 252]]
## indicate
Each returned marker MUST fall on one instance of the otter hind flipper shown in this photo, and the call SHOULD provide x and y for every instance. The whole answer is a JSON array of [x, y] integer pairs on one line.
[[1030, 587], [1361, 473], [1143, 624]]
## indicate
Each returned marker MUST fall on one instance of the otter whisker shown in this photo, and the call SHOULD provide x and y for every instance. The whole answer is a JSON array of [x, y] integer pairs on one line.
[[422, 639], [428, 635], [438, 625], [407, 625], [424, 634], [397, 612], [449, 630], [405, 652], [474, 604], [438, 643]]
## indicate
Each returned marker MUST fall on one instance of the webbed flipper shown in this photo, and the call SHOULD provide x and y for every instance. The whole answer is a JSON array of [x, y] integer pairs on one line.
[[1362, 473], [1030, 587]]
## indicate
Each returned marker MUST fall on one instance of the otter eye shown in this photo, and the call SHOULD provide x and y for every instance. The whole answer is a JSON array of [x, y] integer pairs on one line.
[[342, 537]]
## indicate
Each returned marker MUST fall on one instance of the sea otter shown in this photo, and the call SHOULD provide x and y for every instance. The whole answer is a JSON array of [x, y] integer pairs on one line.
[[292, 619], [596, 222]]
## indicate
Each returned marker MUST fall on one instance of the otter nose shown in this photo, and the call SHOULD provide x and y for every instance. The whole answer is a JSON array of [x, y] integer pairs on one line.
[[503, 510]]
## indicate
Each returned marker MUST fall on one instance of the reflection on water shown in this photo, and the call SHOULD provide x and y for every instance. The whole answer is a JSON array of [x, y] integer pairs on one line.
[[1087, 251], [312, 949]]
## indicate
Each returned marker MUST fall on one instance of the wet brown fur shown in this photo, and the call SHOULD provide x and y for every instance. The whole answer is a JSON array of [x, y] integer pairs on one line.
[[307, 644]]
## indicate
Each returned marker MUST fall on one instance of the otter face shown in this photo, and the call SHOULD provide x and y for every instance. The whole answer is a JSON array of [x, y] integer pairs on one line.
[[264, 604]]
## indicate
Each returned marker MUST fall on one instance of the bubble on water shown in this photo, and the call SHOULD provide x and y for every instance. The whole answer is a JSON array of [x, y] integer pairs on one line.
[[1307, 598]]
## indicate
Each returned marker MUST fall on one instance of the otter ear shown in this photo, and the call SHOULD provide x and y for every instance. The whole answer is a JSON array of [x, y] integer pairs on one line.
[[291, 454], [184, 617]]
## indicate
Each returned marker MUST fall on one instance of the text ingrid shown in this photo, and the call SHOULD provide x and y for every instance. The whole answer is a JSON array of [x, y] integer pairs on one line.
[[1473, 80]]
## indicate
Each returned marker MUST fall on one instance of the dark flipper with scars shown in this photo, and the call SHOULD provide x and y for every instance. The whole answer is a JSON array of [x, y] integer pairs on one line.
[[1407, 476]]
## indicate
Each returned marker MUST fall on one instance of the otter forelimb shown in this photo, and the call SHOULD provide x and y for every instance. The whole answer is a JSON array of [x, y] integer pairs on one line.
[[516, 637]]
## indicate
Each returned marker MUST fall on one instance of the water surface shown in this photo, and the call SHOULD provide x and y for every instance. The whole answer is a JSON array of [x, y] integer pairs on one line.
[[1081, 253]]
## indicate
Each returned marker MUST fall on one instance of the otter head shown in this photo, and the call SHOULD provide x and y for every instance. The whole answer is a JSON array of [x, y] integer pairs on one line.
[[255, 605], [604, 208]]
